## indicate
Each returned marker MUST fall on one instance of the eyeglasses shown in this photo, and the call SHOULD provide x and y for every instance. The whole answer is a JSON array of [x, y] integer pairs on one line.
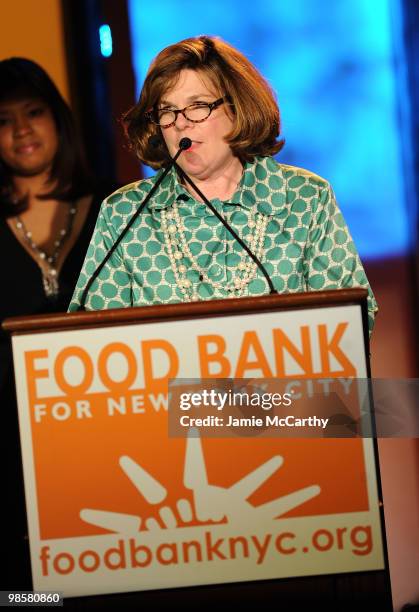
[[197, 113]]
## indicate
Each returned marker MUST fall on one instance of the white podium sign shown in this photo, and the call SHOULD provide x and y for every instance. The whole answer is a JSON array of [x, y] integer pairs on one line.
[[114, 504]]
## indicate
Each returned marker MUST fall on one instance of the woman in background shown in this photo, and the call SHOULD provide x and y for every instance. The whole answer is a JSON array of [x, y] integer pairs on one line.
[[48, 208], [48, 202]]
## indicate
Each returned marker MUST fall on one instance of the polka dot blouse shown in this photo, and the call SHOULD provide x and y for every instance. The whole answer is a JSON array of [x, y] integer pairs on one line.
[[179, 251]]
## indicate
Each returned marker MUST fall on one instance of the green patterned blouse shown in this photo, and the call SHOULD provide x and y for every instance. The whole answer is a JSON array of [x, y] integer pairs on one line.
[[179, 251]]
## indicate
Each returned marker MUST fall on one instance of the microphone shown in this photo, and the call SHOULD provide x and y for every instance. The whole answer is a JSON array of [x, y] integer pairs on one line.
[[184, 144]]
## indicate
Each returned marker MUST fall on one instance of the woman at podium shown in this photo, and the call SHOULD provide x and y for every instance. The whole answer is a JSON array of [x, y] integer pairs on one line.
[[204, 90]]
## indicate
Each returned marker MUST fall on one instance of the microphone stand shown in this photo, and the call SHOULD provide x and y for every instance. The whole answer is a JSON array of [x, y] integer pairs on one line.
[[182, 146]]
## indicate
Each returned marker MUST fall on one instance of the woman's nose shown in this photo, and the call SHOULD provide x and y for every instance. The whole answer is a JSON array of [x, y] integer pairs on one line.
[[22, 125], [182, 122]]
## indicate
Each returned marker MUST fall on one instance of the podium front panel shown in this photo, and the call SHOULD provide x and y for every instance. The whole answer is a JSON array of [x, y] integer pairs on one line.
[[115, 504]]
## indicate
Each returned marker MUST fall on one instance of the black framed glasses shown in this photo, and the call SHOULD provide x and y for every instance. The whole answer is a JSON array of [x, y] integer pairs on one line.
[[196, 112]]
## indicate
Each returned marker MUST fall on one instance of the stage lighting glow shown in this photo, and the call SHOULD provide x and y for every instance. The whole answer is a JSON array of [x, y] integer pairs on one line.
[[105, 37]]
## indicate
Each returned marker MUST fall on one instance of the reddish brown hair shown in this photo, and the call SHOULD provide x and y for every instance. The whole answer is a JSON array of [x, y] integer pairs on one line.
[[255, 113]]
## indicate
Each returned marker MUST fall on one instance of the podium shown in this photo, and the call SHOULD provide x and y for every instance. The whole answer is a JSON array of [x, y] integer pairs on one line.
[[121, 511]]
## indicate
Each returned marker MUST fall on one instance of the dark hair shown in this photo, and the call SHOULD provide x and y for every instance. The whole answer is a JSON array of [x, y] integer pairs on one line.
[[255, 113], [22, 78]]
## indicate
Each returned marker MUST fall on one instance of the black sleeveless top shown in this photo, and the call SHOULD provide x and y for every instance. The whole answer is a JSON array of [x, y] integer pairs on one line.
[[22, 291]]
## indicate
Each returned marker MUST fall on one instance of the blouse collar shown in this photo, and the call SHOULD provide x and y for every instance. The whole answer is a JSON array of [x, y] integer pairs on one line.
[[262, 187]]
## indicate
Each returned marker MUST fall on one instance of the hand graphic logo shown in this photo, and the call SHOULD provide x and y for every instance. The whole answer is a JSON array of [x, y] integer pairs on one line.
[[211, 502]]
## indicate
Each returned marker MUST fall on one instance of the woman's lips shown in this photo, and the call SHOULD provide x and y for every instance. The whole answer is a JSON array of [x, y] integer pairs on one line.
[[27, 149], [193, 146]]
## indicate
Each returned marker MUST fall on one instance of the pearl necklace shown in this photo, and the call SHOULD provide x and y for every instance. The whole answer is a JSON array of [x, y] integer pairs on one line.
[[172, 224], [48, 265]]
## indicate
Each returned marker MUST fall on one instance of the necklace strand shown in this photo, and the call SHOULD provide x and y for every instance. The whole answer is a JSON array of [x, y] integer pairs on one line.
[[48, 265], [172, 224]]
